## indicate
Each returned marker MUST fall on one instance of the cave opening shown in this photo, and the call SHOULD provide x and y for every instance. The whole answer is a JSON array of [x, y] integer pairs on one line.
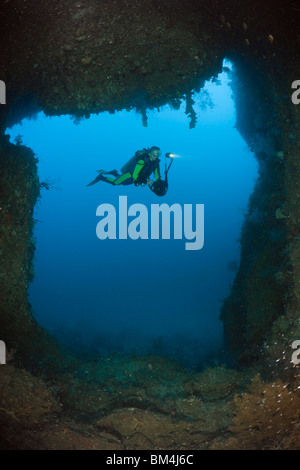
[[138, 296], [105, 299]]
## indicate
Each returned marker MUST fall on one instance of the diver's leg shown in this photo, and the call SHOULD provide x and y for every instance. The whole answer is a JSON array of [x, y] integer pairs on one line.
[[112, 172], [123, 179], [115, 173]]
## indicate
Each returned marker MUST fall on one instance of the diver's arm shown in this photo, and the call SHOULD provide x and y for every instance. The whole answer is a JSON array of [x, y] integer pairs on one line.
[[137, 169], [157, 173]]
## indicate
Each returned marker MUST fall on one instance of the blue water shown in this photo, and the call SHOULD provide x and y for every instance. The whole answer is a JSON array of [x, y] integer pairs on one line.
[[138, 295]]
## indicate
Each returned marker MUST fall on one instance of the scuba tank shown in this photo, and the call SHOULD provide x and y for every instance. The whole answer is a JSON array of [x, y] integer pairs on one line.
[[129, 166]]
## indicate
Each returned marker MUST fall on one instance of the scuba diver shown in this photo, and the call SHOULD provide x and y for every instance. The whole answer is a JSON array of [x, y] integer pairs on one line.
[[138, 171]]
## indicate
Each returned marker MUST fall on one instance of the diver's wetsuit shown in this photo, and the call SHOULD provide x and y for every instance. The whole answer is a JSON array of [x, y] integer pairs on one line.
[[138, 173]]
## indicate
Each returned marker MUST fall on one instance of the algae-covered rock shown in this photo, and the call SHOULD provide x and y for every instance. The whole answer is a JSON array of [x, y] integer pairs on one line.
[[98, 387], [267, 416], [87, 399], [24, 399], [213, 384], [68, 435], [142, 429], [211, 417]]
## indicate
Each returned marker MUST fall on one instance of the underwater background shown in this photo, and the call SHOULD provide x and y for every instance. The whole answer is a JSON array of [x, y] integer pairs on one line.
[[129, 345], [138, 296]]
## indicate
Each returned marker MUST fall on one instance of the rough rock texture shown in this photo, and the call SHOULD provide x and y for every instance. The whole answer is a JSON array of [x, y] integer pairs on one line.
[[117, 404], [25, 395], [89, 56], [19, 189], [142, 429]]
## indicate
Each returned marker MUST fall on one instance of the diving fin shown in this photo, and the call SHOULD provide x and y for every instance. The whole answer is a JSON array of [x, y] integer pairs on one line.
[[98, 178]]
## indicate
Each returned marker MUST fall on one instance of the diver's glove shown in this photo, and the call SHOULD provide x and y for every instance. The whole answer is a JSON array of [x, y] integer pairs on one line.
[[139, 181]]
